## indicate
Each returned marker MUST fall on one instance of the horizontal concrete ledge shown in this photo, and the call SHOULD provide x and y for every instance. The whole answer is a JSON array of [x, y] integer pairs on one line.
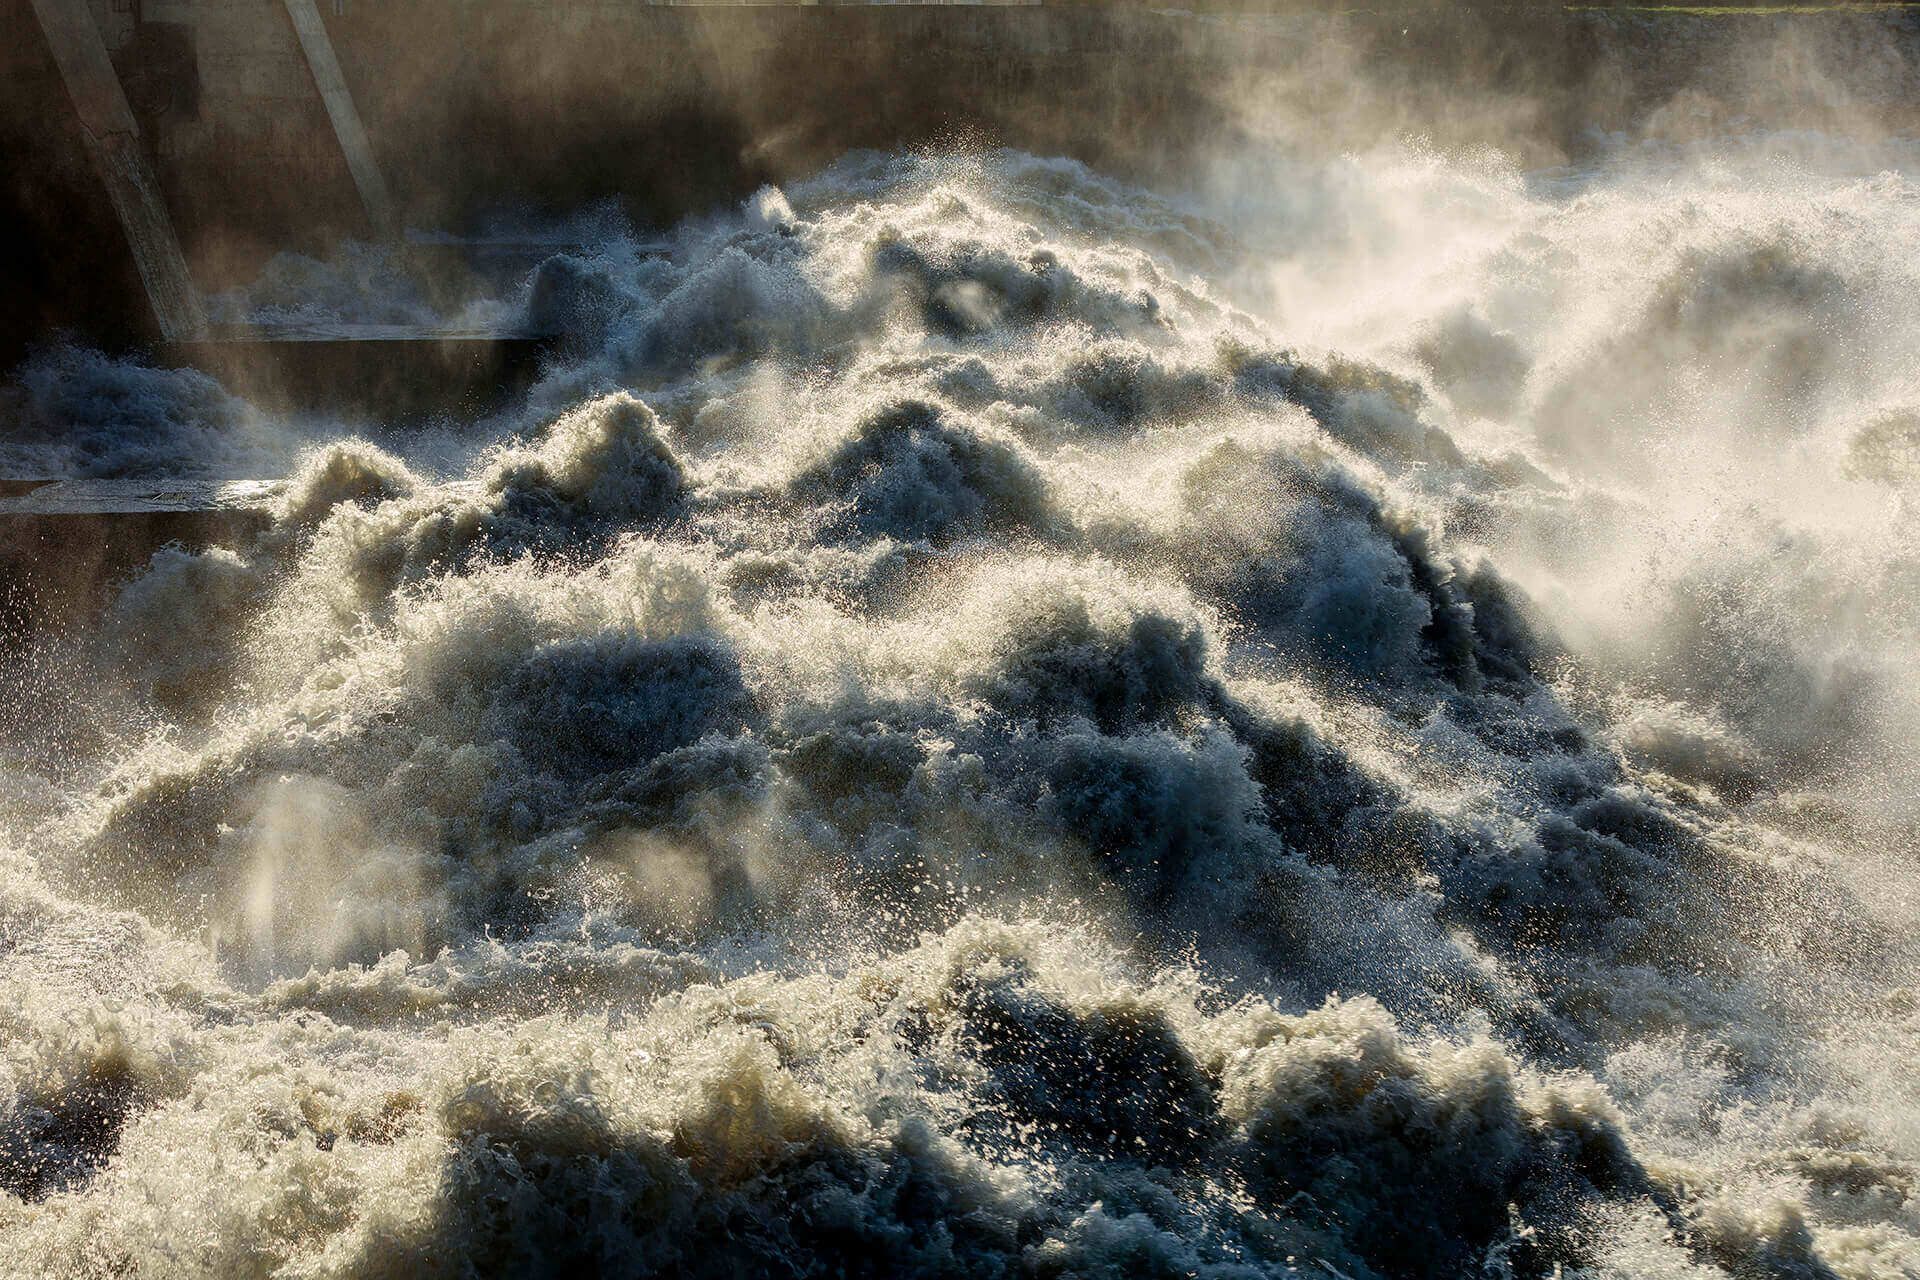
[[845, 4], [389, 374], [1252, 7], [37, 498], [143, 496], [345, 331], [64, 545]]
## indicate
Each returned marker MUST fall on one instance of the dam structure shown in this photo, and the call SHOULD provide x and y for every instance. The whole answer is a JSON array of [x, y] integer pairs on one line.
[[268, 125], [166, 149]]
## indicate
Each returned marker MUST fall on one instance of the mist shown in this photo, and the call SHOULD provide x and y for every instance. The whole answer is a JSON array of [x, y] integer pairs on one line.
[[1290, 651]]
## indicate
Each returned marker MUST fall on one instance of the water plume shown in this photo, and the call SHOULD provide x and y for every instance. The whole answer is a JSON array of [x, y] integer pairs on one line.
[[952, 736]]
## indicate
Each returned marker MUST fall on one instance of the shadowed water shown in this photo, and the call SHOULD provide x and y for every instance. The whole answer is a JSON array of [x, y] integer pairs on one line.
[[984, 721]]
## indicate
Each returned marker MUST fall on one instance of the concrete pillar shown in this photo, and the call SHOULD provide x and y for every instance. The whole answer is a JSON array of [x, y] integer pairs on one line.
[[113, 145]]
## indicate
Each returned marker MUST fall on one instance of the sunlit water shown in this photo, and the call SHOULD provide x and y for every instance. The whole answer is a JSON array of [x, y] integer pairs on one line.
[[988, 722]]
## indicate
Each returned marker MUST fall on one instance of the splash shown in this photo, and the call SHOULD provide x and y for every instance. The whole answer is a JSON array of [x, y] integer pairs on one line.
[[942, 742]]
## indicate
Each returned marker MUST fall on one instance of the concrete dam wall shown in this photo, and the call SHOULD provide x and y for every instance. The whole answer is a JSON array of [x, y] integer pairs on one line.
[[475, 107]]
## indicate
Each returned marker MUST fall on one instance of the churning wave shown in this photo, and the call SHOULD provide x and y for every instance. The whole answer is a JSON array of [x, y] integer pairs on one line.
[[943, 742]]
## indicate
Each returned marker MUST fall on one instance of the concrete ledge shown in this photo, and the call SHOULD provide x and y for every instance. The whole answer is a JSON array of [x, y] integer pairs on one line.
[[38, 499], [393, 375], [63, 545]]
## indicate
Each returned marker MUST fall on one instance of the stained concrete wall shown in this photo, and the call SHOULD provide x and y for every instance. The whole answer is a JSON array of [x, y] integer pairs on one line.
[[256, 165], [472, 104], [475, 103], [63, 258]]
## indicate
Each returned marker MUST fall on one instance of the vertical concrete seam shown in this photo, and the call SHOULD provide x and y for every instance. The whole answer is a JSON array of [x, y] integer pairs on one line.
[[352, 135], [113, 145]]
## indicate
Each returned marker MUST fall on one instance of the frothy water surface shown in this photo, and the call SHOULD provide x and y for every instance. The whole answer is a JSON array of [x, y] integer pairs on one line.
[[988, 722]]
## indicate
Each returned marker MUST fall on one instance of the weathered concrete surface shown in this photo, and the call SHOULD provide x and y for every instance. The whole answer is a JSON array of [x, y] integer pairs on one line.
[[470, 105], [63, 544], [112, 142], [63, 257], [547, 104], [672, 107], [390, 374], [317, 46]]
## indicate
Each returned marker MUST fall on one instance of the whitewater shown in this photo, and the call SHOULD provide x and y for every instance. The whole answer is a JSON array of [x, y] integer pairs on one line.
[[983, 720]]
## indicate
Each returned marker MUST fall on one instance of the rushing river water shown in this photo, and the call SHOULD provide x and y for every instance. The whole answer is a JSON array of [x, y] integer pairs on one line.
[[987, 722]]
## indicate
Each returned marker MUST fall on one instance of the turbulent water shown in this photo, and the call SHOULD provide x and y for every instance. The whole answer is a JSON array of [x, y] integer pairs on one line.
[[984, 721]]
